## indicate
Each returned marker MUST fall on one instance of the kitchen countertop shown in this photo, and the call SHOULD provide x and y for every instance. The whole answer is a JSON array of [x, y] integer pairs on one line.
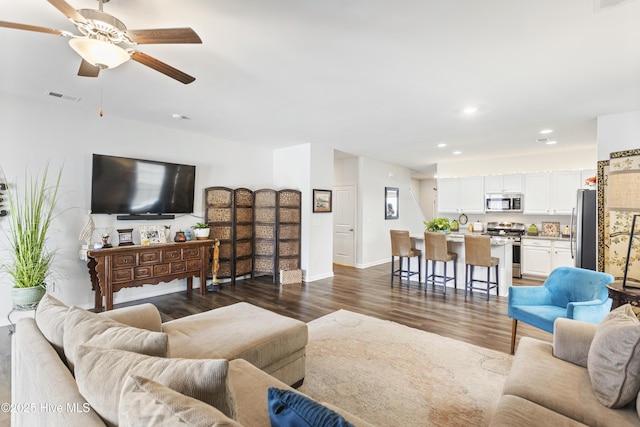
[[541, 237]]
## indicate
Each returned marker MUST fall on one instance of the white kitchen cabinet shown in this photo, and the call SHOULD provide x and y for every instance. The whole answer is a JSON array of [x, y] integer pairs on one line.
[[511, 183], [537, 188], [561, 254], [448, 189], [535, 257], [461, 195], [564, 187], [551, 193], [472, 194], [584, 174], [540, 257]]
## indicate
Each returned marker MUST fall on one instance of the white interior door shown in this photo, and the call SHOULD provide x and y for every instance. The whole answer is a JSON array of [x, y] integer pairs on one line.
[[344, 237]]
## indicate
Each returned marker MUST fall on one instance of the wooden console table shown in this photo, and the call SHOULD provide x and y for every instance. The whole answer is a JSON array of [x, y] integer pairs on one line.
[[121, 267], [621, 296]]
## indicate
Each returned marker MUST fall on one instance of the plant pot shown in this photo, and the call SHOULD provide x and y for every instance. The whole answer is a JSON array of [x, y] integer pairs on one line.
[[201, 233], [27, 298]]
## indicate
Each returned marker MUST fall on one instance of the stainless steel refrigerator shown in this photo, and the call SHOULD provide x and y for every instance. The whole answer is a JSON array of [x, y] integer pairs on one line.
[[584, 230]]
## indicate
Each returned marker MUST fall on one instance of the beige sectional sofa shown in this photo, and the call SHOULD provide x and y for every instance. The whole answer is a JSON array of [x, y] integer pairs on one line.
[[130, 368], [566, 383]]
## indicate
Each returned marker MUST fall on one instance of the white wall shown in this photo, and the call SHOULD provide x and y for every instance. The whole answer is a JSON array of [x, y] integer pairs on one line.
[[34, 133], [583, 158], [427, 196], [309, 166], [373, 239], [618, 132]]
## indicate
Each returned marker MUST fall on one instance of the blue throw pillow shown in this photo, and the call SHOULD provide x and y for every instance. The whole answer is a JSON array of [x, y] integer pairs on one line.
[[291, 409]]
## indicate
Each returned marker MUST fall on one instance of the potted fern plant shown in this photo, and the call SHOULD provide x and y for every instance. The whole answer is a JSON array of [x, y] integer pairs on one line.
[[31, 211]]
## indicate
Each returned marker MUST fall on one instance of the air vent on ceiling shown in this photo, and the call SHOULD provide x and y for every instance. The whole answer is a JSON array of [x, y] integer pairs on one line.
[[542, 140], [603, 4], [62, 96]]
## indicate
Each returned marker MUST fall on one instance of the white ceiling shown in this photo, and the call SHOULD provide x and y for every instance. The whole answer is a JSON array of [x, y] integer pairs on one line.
[[385, 79]]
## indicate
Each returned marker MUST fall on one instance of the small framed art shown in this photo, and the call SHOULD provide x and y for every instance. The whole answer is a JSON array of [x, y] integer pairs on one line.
[[152, 234], [391, 203], [125, 236], [322, 200]]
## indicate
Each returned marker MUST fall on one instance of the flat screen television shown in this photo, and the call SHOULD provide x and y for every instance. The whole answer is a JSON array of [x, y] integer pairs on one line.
[[139, 188]]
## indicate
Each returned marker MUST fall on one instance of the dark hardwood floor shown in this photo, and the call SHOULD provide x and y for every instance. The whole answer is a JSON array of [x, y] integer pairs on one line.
[[367, 291]]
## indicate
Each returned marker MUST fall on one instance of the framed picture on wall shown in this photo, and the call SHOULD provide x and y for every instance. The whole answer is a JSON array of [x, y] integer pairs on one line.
[[391, 198], [322, 200]]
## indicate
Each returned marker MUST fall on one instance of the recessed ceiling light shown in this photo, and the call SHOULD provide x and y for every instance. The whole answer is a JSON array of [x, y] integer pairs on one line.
[[180, 116], [551, 142], [470, 110], [457, 153], [546, 131], [442, 144]]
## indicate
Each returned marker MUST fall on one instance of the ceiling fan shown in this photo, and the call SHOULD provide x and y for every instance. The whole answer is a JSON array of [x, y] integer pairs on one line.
[[102, 34]]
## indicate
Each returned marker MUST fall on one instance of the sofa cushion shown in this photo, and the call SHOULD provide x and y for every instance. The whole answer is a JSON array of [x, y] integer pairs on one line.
[[50, 316], [290, 409], [516, 411], [82, 326], [563, 387], [614, 358], [146, 403], [101, 374]]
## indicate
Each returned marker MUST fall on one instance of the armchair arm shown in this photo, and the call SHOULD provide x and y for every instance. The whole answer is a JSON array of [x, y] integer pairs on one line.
[[144, 316], [589, 311], [572, 340], [529, 295]]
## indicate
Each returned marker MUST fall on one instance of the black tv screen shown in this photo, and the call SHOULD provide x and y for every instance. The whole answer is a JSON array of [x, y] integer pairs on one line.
[[121, 185]]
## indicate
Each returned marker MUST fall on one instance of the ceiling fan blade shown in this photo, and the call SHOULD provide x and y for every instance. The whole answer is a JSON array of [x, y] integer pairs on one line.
[[160, 66], [164, 35], [68, 10], [34, 28], [88, 70]]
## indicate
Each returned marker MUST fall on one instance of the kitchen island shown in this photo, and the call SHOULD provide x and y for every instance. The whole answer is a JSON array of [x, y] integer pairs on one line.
[[501, 248]]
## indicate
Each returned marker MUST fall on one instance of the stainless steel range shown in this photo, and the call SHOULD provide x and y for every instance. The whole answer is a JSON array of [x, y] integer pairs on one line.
[[512, 231]]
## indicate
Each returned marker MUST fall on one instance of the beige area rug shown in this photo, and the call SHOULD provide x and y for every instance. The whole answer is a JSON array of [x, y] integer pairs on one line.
[[392, 375]]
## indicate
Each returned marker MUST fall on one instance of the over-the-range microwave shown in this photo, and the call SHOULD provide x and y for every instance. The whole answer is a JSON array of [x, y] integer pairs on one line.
[[495, 202]]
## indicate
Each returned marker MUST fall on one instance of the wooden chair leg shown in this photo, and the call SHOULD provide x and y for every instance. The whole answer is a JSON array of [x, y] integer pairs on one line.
[[514, 327]]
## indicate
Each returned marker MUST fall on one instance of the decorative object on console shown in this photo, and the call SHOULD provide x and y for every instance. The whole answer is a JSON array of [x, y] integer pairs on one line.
[[125, 236], [180, 237], [86, 234], [322, 201], [30, 260], [201, 231], [623, 194], [152, 234]]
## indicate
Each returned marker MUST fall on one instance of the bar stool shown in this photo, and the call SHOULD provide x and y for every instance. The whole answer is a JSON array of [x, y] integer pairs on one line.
[[401, 247], [477, 251], [435, 250]]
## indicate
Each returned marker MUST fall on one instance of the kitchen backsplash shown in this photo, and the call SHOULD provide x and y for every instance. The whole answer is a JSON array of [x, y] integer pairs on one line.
[[527, 220]]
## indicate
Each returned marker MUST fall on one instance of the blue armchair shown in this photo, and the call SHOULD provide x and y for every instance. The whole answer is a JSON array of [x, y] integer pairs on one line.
[[570, 292]]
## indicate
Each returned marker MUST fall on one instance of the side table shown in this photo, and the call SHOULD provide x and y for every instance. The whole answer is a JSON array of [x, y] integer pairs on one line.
[[622, 296]]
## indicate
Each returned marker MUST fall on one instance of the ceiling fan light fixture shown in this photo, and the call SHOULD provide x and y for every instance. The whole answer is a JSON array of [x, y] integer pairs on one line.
[[102, 54]]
